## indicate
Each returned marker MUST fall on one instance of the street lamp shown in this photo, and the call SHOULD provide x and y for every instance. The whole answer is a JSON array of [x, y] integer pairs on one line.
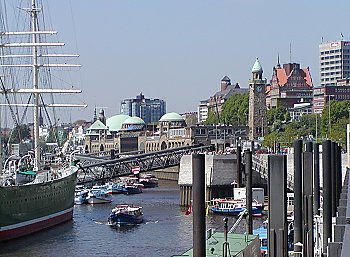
[[329, 114]]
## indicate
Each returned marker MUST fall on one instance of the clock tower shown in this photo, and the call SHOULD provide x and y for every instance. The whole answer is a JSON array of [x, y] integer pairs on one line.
[[257, 119]]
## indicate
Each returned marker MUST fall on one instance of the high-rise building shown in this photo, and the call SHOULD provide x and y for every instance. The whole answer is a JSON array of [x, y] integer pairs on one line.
[[148, 109], [334, 62]]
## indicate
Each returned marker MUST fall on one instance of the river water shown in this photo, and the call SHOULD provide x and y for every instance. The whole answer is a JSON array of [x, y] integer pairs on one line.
[[166, 230]]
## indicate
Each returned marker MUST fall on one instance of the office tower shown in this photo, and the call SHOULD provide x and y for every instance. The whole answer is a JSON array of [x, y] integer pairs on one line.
[[334, 62], [148, 109]]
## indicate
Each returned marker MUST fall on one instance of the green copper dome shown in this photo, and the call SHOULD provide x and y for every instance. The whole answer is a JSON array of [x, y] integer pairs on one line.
[[257, 67], [115, 122], [134, 120], [171, 116]]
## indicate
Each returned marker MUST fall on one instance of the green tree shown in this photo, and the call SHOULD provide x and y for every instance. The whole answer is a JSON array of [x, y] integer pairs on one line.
[[21, 132], [235, 110], [212, 117], [335, 110], [277, 113]]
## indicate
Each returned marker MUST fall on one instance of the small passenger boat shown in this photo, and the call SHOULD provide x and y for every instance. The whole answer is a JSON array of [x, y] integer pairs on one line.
[[132, 189], [125, 215], [81, 197], [98, 195], [234, 207], [149, 181], [117, 188]]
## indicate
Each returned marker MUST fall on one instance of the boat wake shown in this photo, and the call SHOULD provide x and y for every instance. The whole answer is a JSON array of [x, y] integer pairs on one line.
[[152, 222]]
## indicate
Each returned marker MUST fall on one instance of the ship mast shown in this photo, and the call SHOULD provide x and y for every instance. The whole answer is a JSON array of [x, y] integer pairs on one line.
[[35, 86], [35, 44]]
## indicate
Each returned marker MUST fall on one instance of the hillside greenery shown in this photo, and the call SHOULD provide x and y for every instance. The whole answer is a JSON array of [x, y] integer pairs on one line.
[[330, 125]]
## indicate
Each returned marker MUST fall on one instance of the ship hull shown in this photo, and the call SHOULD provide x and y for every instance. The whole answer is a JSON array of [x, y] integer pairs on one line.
[[19, 230], [26, 209]]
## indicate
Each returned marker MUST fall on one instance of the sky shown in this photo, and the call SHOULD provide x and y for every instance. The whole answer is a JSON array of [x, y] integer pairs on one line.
[[180, 50]]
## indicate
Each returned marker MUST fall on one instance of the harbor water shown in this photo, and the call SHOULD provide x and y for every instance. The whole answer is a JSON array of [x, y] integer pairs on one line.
[[166, 230]]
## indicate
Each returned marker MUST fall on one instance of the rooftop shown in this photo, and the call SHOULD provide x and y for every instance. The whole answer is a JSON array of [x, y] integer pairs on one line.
[[134, 120], [115, 122], [257, 66], [171, 116], [237, 243]]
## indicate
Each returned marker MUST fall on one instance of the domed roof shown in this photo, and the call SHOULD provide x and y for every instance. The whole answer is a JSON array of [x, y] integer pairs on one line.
[[257, 67], [115, 122], [172, 116], [134, 120]]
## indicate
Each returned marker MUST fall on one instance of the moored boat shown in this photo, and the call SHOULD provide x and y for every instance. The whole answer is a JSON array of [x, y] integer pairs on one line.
[[115, 187], [98, 195], [149, 181], [132, 189], [234, 207], [125, 215], [35, 193], [31, 207], [81, 197]]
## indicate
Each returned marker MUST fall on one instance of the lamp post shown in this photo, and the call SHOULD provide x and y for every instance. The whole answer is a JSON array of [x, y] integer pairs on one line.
[[316, 128], [329, 114], [216, 138]]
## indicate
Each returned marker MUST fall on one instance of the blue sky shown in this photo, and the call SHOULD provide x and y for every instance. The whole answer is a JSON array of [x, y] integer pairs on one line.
[[180, 50]]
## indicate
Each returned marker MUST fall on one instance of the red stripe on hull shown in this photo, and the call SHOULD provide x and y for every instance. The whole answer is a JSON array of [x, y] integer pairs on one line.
[[35, 227]]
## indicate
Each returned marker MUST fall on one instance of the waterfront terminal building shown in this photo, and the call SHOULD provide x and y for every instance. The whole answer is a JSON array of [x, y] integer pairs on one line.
[[124, 133]]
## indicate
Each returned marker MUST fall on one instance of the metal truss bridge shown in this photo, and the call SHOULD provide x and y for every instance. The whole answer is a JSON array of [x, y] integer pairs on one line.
[[94, 168]]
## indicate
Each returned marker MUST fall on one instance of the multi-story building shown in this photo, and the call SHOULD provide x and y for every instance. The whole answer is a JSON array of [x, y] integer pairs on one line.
[[216, 101], [334, 62], [203, 111], [338, 92], [148, 109], [290, 85], [299, 110]]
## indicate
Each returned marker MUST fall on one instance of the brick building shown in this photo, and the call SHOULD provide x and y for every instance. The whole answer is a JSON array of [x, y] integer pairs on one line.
[[290, 85]]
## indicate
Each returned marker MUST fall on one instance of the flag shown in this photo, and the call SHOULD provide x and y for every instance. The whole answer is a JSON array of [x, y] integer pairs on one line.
[[207, 210], [135, 169], [341, 34], [189, 210]]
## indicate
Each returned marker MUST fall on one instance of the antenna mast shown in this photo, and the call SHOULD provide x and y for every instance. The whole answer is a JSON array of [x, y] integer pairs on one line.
[[290, 52]]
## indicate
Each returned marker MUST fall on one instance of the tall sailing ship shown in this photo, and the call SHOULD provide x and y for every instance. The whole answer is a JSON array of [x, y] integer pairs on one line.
[[34, 193]]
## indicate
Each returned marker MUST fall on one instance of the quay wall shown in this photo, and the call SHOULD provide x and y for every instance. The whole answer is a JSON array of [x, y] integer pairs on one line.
[[220, 171], [170, 173]]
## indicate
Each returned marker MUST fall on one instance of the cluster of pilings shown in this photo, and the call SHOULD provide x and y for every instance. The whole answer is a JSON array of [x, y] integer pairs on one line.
[[308, 211], [339, 246]]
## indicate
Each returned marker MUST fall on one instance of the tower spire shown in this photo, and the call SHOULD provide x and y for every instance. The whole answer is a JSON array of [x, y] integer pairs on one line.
[[95, 115], [278, 61]]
